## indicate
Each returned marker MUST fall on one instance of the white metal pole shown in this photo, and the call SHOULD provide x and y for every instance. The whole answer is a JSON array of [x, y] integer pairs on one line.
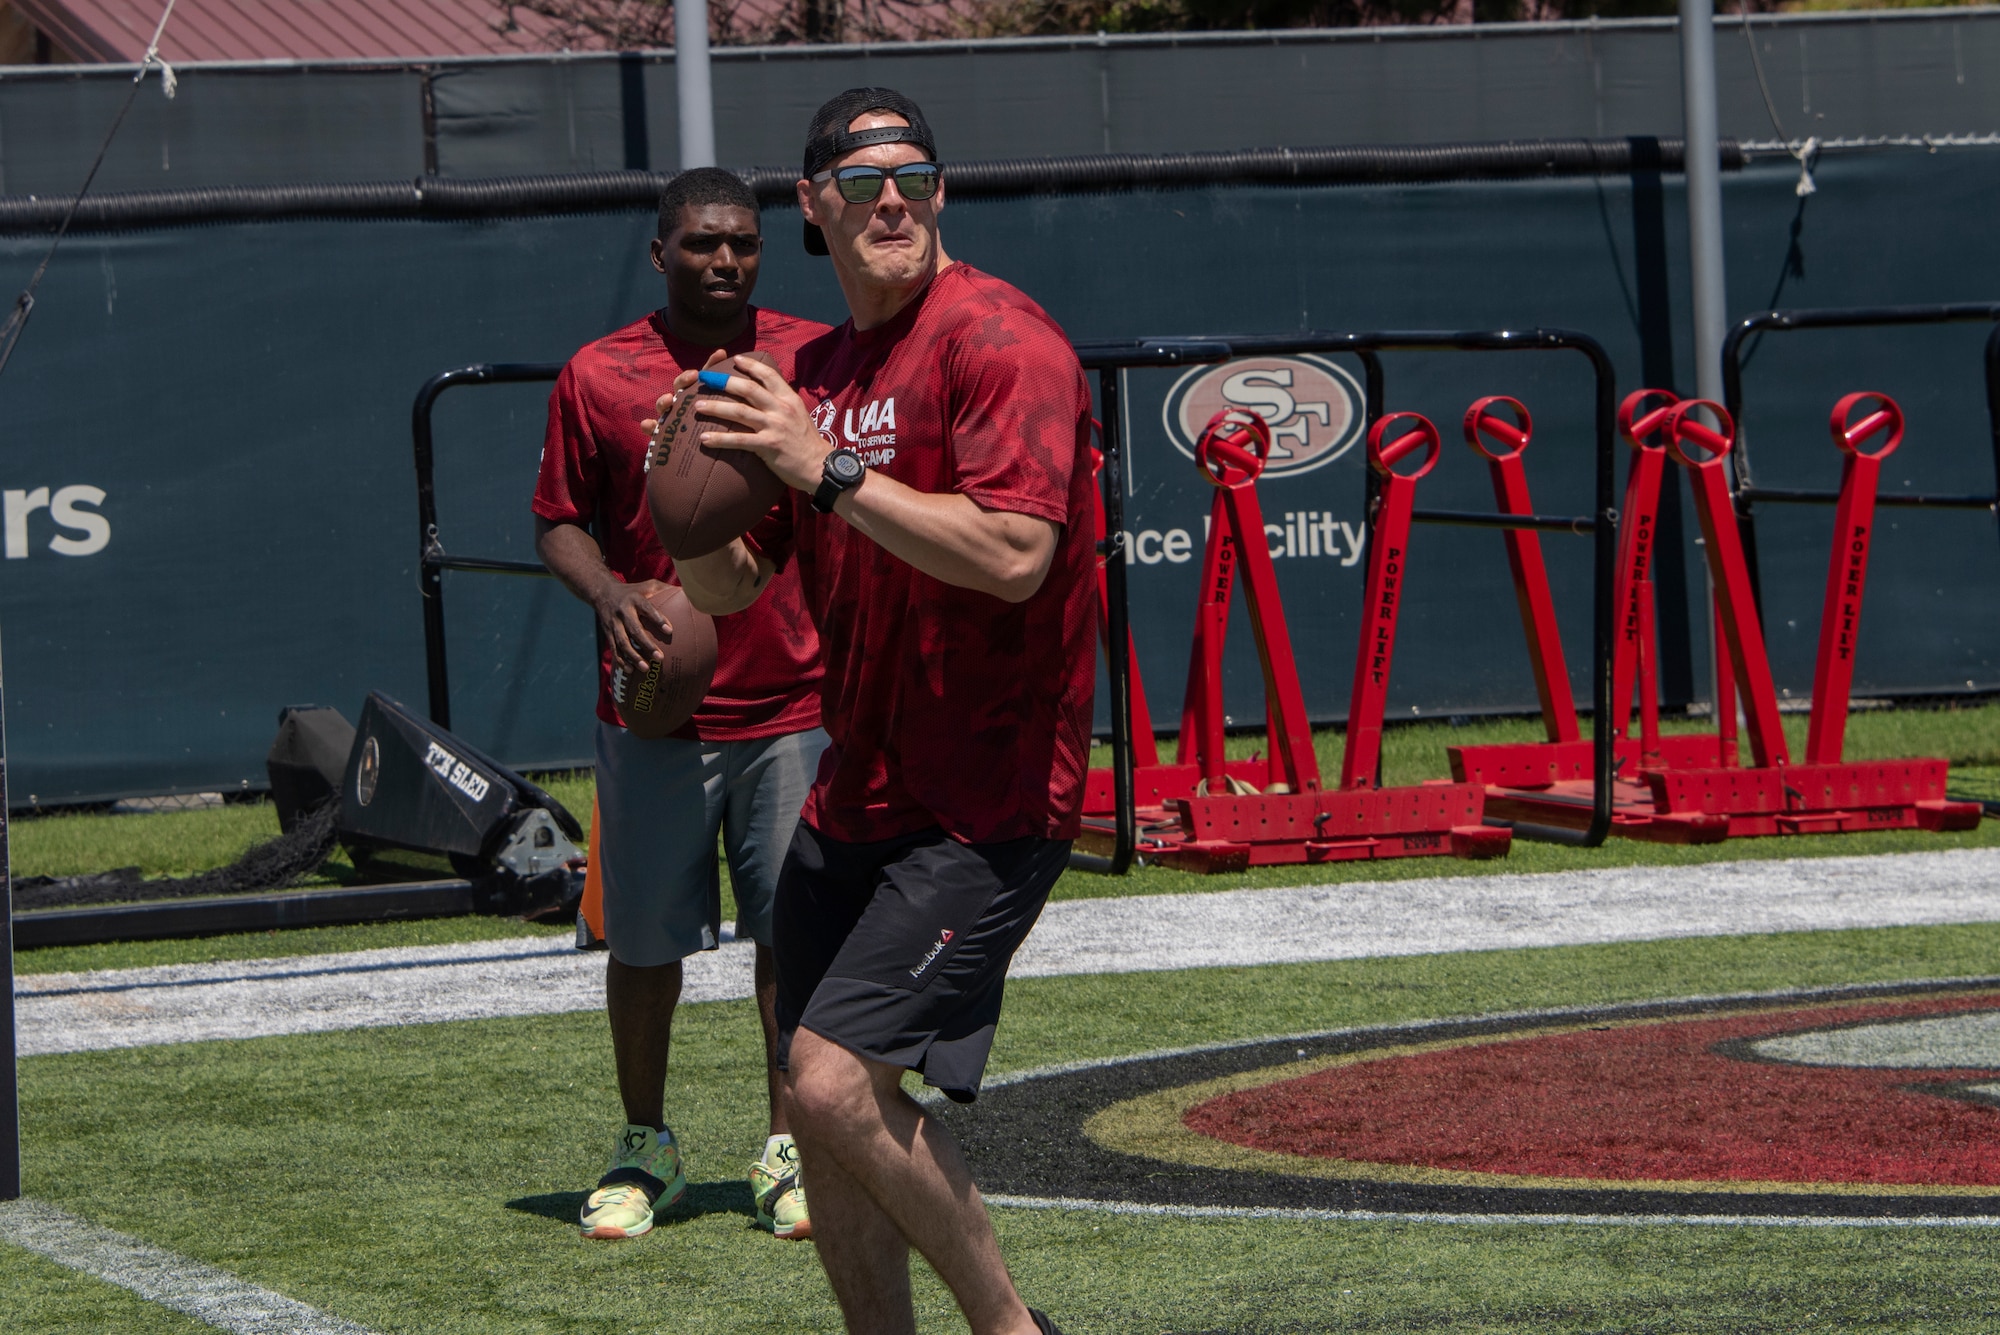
[[1704, 194], [697, 99], [1704, 198]]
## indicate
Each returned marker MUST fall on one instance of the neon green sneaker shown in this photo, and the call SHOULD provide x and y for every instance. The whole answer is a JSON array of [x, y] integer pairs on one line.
[[646, 1171], [779, 1191]]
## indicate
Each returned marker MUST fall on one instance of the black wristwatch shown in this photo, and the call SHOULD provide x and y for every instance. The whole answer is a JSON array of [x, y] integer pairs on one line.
[[842, 471]]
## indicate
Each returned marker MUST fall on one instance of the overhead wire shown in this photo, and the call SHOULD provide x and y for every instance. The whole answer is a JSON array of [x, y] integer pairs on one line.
[[1807, 152], [24, 305]]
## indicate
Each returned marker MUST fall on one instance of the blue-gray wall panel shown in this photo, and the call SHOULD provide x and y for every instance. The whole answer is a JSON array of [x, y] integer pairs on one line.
[[223, 127], [520, 117], [1849, 75], [1852, 75]]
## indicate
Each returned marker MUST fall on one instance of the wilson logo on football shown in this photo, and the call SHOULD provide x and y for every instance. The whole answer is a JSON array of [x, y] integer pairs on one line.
[[1312, 407]]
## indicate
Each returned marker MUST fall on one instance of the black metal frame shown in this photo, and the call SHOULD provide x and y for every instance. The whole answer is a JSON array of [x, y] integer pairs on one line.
[[1110, 359], [1747, 493], [89, 924], [432, 560]]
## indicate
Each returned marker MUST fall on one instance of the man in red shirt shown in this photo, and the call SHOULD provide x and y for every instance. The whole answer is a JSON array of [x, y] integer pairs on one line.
[[742, 765], [941, 526]]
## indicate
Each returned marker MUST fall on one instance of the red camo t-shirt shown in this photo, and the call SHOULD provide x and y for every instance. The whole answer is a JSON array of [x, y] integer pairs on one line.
[[767, 667], [949, 707]]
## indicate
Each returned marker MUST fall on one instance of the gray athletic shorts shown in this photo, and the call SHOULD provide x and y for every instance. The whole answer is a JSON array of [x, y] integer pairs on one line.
[[661, 802]]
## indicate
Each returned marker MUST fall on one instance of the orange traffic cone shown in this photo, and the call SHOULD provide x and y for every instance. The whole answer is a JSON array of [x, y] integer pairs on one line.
[[590, 916]]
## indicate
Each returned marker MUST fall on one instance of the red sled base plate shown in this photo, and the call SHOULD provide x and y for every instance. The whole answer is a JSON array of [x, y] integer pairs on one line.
[[1229, 833], [1691, 800], [1158, 786]]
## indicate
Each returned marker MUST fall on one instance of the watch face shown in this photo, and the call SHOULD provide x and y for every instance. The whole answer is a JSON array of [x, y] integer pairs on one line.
[[846, 467]]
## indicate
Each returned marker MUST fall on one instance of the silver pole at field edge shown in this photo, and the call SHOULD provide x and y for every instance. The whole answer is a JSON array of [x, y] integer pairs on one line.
[[1704, 194], [10, 1086], [697, 97], [1704, 198]]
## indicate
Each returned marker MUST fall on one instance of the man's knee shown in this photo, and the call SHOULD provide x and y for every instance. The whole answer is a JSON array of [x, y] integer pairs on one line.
[[832, 1090], [642, 995], [646, 978]]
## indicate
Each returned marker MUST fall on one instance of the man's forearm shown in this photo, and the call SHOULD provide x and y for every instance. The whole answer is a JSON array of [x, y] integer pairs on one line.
[[950, 538], [724, 581], [626, 616], [573, 556]]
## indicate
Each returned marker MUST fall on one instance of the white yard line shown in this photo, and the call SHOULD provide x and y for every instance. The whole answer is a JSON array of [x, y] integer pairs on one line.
[[1453, 913], [180, 1003], [214, 1297], [542, 975]]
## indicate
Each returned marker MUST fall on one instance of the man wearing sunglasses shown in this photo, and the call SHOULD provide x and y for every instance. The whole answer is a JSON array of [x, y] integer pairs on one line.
[[940, 525]]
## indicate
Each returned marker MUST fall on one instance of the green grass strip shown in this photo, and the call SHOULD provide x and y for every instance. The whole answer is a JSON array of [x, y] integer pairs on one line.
[[40, 1296], [183, 842]]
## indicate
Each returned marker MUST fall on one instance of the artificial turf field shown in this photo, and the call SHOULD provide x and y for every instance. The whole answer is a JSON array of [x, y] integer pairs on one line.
[[425, 1178]]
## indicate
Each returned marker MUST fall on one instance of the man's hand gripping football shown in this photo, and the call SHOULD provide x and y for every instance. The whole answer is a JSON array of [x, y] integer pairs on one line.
[[775, 425]]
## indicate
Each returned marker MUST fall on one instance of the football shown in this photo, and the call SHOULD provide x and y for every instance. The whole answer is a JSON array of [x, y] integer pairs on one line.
[[700, 498], [656, 702]]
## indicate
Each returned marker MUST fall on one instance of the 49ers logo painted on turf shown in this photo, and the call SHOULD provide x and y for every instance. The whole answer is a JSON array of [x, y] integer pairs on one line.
[[1312, 406], [870, 431], [1866, 1101]]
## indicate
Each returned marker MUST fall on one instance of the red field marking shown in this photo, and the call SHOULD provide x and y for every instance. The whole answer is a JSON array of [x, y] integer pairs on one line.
[[1650, 1102]]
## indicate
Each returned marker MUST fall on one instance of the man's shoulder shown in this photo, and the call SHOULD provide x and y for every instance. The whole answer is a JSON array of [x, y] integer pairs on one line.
[[817, 351], [788, 331], [987, 322], [635, 351], [976, 286], [984, 311]]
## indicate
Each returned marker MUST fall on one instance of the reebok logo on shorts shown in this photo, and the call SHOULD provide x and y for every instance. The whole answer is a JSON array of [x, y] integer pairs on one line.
[[937, 948]]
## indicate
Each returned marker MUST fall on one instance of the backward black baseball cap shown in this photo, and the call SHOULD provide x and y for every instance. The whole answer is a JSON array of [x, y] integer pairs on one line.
[[828, 137]]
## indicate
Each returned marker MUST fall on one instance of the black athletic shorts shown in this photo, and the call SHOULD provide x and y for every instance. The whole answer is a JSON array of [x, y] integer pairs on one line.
[[898, 949]]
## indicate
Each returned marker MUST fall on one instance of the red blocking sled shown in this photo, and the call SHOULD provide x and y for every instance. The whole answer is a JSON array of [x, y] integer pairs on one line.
[[1549, 783], [1691, 790], [1206, 813]]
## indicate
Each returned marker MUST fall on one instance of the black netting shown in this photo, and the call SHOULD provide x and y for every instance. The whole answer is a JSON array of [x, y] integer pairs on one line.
[[272, 865]]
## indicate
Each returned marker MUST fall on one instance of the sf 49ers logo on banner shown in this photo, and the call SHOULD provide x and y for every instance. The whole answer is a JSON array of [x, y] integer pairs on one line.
[[1312, 406]]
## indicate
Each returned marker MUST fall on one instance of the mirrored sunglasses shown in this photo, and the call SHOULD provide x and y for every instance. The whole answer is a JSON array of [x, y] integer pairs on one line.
[[860, 185]]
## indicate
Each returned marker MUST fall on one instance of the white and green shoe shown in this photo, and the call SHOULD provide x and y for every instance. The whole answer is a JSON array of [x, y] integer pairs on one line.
[[645, 1172], [779, 1191]]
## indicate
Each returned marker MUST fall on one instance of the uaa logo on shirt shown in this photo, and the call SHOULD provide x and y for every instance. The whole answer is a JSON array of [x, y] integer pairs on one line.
[[824, 418], [1313, 407]]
